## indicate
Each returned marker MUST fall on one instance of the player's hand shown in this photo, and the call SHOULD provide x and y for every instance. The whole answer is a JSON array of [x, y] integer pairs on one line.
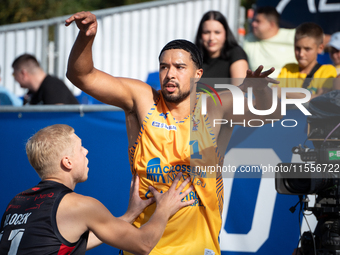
[[136, 204], [172, 199], [258, 80], [86, 22]]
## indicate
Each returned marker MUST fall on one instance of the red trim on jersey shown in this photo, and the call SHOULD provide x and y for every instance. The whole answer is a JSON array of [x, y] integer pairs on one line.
[[65, 250]]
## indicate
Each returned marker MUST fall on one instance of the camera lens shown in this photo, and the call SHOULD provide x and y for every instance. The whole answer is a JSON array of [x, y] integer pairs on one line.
[[298, 186]]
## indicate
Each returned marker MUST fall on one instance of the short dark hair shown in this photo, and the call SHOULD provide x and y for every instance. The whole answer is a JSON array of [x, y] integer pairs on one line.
[[309, 29], [25, 59], [230, 41], [270, 13], [181, 44]]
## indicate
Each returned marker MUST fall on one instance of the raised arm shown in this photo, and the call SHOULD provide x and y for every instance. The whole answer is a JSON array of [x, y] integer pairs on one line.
[[81, 72]]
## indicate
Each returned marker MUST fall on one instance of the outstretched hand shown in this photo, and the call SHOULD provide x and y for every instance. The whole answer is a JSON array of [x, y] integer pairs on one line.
[[86, 22], [172, 199], [136, 204], [258, 80]]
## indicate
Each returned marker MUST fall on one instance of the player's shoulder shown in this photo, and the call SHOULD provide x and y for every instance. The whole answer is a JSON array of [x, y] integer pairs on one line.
[[140, 88], [79, 202]]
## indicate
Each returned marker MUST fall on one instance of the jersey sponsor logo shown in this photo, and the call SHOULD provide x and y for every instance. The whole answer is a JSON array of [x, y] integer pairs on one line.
[[154, 170], [163, 125], [35, 189], [24, 195], [35, 207], [16, 219], [13, 206], [165, 115], [42, 196], [167, 174], [193, 196], [195, 123]]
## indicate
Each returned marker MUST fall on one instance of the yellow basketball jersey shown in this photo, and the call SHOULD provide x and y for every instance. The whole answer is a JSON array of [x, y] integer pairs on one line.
[[166, 147]]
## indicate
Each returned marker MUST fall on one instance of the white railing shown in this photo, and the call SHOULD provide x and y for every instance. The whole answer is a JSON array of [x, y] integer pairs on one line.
[[127, 44]]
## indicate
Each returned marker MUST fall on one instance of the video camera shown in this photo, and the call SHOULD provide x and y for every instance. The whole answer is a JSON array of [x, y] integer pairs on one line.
[[319, 174]]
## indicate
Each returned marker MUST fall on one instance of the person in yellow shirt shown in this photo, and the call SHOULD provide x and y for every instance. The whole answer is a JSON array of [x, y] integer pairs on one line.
[[308, 73], [168, 133]]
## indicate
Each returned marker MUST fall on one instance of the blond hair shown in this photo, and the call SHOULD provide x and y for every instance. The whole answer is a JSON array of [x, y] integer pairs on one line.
[[45, 148]]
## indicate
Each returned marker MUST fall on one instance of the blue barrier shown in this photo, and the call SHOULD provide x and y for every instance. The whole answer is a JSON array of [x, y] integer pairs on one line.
[[256, 219]]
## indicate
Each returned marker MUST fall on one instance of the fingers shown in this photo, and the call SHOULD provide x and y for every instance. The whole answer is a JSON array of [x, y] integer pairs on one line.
[[270, 80], [268, 72], [78, 15], [173, 187], [132, 181], [175, 182], [136, 182], [186, 192], [69, 21], [86, 21], [149, 201], [186, 203], [154, 191], [258, 71], [182, 186]]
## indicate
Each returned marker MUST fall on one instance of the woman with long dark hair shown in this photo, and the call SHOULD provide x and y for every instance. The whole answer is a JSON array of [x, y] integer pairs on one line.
[[222, 56]]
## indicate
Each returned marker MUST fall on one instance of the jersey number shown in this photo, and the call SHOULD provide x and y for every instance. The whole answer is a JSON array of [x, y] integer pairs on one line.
[[195, 149], [14, 238]]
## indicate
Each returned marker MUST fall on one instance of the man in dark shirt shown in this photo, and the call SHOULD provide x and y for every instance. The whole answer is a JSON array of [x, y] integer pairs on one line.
[[50, 218], [43, 88]]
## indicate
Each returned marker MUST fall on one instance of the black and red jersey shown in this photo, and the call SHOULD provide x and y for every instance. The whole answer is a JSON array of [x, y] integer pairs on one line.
[[29, 225]]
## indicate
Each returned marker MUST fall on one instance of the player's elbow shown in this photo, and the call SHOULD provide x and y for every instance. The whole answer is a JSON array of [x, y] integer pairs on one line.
[[76, 80], [144, 249], [71, 76]]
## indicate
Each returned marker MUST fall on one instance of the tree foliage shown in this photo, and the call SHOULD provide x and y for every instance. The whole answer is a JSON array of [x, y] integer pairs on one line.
[[15, 11]]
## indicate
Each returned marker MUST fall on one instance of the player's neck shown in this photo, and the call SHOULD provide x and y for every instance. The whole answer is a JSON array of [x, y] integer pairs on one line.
[[66, 181], [180, 111]]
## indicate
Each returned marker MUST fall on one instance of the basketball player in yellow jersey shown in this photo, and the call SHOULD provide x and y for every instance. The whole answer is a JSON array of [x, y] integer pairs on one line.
[[165, 137]]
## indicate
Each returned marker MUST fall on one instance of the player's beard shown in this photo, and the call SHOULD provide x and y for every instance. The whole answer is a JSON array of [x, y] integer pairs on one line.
[[175, 98]]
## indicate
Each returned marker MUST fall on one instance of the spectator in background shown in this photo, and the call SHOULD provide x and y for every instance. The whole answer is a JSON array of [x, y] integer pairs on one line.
[[222, 56], [334, 51], [268, 44], [7, 98], [308, 43], [42, 88]]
